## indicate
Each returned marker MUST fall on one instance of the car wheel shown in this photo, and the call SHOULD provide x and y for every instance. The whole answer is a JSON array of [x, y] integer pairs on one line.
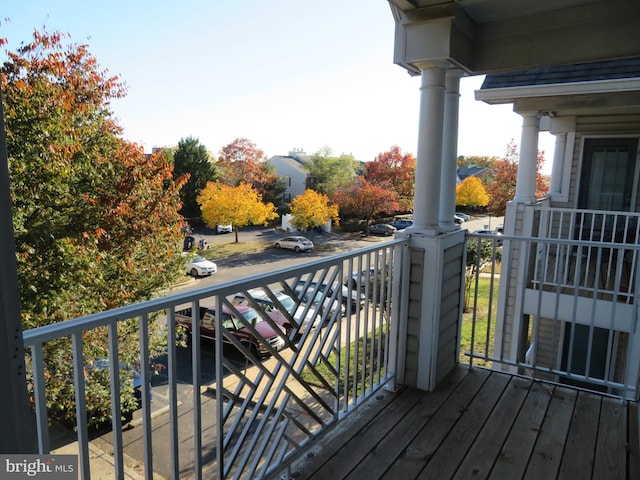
[[194, 272], [277, 245], [297, 249]]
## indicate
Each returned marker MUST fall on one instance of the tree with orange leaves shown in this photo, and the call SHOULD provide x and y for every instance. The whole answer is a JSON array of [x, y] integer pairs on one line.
[[503, 187], [242, 161], [366, 200], [95, 219], [397, 170]]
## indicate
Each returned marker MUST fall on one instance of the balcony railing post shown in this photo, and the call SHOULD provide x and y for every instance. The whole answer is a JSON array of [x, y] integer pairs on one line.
[[16, 418]]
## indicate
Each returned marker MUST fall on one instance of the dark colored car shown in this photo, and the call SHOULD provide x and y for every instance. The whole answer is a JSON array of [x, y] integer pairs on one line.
[[401, 224], [236, 328], [382, 229]]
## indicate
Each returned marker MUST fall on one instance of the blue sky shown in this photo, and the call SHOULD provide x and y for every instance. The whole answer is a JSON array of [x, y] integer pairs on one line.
[[283, 73]]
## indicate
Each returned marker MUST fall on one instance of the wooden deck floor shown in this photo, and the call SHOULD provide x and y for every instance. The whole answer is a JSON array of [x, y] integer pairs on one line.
[[481, 424]]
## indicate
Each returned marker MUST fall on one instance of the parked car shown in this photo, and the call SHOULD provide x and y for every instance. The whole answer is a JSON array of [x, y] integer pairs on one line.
[[347, 295], [382, 229], [200, 267], [224, 228], [401, 224], [324, 306], [458, 219], [310, 320], [297, 243], [485, 231], [463, 216], [364, 277], [236, 327]]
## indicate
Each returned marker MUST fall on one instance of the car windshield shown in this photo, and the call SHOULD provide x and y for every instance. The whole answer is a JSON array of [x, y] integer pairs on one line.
[[252, 317], [287, 302], [198, 259]]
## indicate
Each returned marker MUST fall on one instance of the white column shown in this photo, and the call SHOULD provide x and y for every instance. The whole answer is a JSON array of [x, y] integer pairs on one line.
[[558, 164], [450, 151], [526, 183], [426, 210]]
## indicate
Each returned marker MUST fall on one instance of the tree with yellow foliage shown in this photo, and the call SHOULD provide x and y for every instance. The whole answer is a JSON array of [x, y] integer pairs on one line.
[[312, 209], [240, 206], [471, 193]]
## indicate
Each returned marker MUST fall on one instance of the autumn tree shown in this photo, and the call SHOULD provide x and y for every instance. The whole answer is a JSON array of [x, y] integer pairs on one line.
[[471, 193], [366, 200], [397, 170], [312, 209], [192, 160], [242, 161], [479, 161], [329, 173], [503, 187], [239, 206], [96, 221]]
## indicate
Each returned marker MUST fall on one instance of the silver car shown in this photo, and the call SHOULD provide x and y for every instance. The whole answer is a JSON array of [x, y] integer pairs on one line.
[[297, 243]]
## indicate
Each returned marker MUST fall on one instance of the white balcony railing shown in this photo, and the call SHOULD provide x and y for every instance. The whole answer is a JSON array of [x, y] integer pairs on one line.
[[266, 410], [559, 307]]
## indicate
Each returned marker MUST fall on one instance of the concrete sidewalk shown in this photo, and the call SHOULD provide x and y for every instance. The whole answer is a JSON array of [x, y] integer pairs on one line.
[[100, 459]]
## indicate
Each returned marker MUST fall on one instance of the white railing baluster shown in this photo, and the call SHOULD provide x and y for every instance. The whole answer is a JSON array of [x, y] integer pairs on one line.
[[114, 370], [40, 401], [81, 409]]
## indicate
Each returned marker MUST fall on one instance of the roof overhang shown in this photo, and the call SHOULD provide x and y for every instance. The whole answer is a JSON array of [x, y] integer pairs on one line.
[[576, 98], [489, 36]]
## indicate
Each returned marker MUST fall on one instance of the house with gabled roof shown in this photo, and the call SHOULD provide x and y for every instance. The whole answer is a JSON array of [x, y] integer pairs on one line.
[[293, 169]]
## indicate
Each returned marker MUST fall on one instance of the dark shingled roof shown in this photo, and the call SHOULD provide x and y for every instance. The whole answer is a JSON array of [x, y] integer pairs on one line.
[[580, 72]]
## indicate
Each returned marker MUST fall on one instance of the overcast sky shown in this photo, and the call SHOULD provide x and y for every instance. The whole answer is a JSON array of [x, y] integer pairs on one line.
[[286, 74]]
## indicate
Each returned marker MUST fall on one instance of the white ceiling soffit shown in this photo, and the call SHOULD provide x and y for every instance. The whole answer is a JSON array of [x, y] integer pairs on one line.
[[488, 36]]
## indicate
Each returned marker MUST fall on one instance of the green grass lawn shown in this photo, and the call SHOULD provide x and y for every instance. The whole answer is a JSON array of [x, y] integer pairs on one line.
[[369, 374], [228, 249], [483, 337]]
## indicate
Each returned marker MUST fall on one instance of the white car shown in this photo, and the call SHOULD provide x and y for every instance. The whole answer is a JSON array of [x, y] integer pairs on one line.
[[224, 228], [201, 267], [297, 243]]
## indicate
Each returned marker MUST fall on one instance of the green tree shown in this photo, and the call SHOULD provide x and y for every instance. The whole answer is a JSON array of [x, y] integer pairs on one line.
[[312, 209], [239, 206], [488, 162], [95, 220], [192, 160], [330, 173]]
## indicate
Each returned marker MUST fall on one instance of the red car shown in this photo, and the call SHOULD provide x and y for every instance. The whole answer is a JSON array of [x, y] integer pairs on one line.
[[236, 327]]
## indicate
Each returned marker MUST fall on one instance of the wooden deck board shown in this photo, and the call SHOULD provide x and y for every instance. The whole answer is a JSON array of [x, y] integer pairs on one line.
[[611, 448], [392, 445], [547, 454], [482, 455], [323, 451], [361, 444], [514, 456], [481, 424], [425, 444], [452, 451], [582, 438]]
